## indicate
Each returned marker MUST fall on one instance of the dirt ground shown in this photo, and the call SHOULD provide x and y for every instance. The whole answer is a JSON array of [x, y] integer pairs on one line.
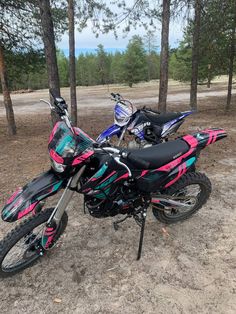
[[192, 269], [94, 97]]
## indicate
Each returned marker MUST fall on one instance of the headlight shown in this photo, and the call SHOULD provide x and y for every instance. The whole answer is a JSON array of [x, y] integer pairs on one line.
[[57, 167], [68, 151]]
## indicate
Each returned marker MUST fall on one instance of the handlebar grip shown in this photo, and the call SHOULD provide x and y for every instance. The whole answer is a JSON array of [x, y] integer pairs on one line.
[[113, 95], [138, 161]]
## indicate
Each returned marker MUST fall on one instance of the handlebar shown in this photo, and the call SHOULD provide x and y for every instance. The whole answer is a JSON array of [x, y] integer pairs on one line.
[[120, 99], [60, 107], [48, 103], [116, 97]]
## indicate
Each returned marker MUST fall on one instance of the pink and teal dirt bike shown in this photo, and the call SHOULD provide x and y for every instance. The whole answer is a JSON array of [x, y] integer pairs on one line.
[[113, 181]]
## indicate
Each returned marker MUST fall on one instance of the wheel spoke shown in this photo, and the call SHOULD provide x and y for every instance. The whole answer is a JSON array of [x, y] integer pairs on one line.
[[17, 254]]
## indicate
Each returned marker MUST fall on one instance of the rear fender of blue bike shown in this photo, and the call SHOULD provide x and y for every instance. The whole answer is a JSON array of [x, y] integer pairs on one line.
[[26, 199]]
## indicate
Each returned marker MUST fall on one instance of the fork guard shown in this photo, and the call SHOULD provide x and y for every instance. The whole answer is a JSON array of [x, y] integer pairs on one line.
[[25, 200]]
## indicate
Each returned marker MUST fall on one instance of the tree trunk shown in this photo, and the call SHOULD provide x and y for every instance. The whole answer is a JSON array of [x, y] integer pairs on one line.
[[231, 60], [195, 54], [50, 49], [6, 96], [209, 76], [209, 82], [164, 59], [72, 69]]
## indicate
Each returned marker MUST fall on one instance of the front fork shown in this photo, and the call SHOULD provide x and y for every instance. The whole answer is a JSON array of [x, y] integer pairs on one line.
[[55, 218], [122, 135]]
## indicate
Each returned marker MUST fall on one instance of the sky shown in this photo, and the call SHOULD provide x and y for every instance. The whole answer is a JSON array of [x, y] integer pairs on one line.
[[87, 42]]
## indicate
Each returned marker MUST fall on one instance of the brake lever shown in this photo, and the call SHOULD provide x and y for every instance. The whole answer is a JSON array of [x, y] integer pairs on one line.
[[117, 159]]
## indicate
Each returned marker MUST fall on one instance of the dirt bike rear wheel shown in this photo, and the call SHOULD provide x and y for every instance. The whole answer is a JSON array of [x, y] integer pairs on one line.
[[179, 191]]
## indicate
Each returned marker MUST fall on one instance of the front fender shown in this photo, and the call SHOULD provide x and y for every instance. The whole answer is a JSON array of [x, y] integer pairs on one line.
[[108, 133], [25, 199]]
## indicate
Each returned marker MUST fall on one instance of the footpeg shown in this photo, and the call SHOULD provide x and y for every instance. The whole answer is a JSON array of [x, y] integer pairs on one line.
[[116, 223]]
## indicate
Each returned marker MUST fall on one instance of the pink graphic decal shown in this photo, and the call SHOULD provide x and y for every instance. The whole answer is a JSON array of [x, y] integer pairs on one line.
[[87, 190], [77, 161], [210, 138], [27, 210], [154, 200], [182, 169], [77, 131], [191, 140], [111, 174], [94, 179], [82, 158], [56, 157], [49, 233], [213, 135], [175, 162], [17, 192], [49, 229], [144, 172], [53, 132], [125, 176]]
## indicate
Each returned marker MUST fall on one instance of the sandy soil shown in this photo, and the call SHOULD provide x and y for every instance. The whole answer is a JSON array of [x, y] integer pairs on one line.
[[93, 268]]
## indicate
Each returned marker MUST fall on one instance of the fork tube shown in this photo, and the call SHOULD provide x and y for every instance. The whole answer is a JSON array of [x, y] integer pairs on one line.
[[65, 198], [122, 136]]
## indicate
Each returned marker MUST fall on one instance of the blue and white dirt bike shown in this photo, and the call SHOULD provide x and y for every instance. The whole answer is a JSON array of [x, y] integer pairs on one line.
[[149, 127]]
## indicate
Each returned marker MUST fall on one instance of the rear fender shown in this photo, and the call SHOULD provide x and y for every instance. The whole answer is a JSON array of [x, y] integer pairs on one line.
[[186, 113], [173, 125], [197, 141], [204, 138], [108, 133], [171, 128], [26, 199]]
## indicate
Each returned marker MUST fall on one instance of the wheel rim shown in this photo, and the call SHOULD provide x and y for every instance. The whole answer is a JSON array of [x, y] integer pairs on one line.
[[189, 195], [24, 251]]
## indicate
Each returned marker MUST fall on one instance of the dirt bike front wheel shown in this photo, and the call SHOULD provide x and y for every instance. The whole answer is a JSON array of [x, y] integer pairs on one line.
[[18, 250]]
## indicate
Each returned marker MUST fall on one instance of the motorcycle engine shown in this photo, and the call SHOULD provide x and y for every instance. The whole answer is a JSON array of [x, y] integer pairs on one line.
[[136, 144], [124, 202]]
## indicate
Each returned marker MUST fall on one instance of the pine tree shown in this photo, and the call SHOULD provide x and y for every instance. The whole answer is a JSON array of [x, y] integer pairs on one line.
[[72, 65], [17, 31], [135, 63], [63, 68], [48, 36], [103, 65], [151, 47]]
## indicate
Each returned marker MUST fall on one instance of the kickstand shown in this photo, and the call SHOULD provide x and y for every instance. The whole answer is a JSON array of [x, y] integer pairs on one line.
[[143, 220], [84, 207]]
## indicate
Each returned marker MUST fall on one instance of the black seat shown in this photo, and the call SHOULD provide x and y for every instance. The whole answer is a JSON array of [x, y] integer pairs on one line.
[[162, 118], [158, 155]]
